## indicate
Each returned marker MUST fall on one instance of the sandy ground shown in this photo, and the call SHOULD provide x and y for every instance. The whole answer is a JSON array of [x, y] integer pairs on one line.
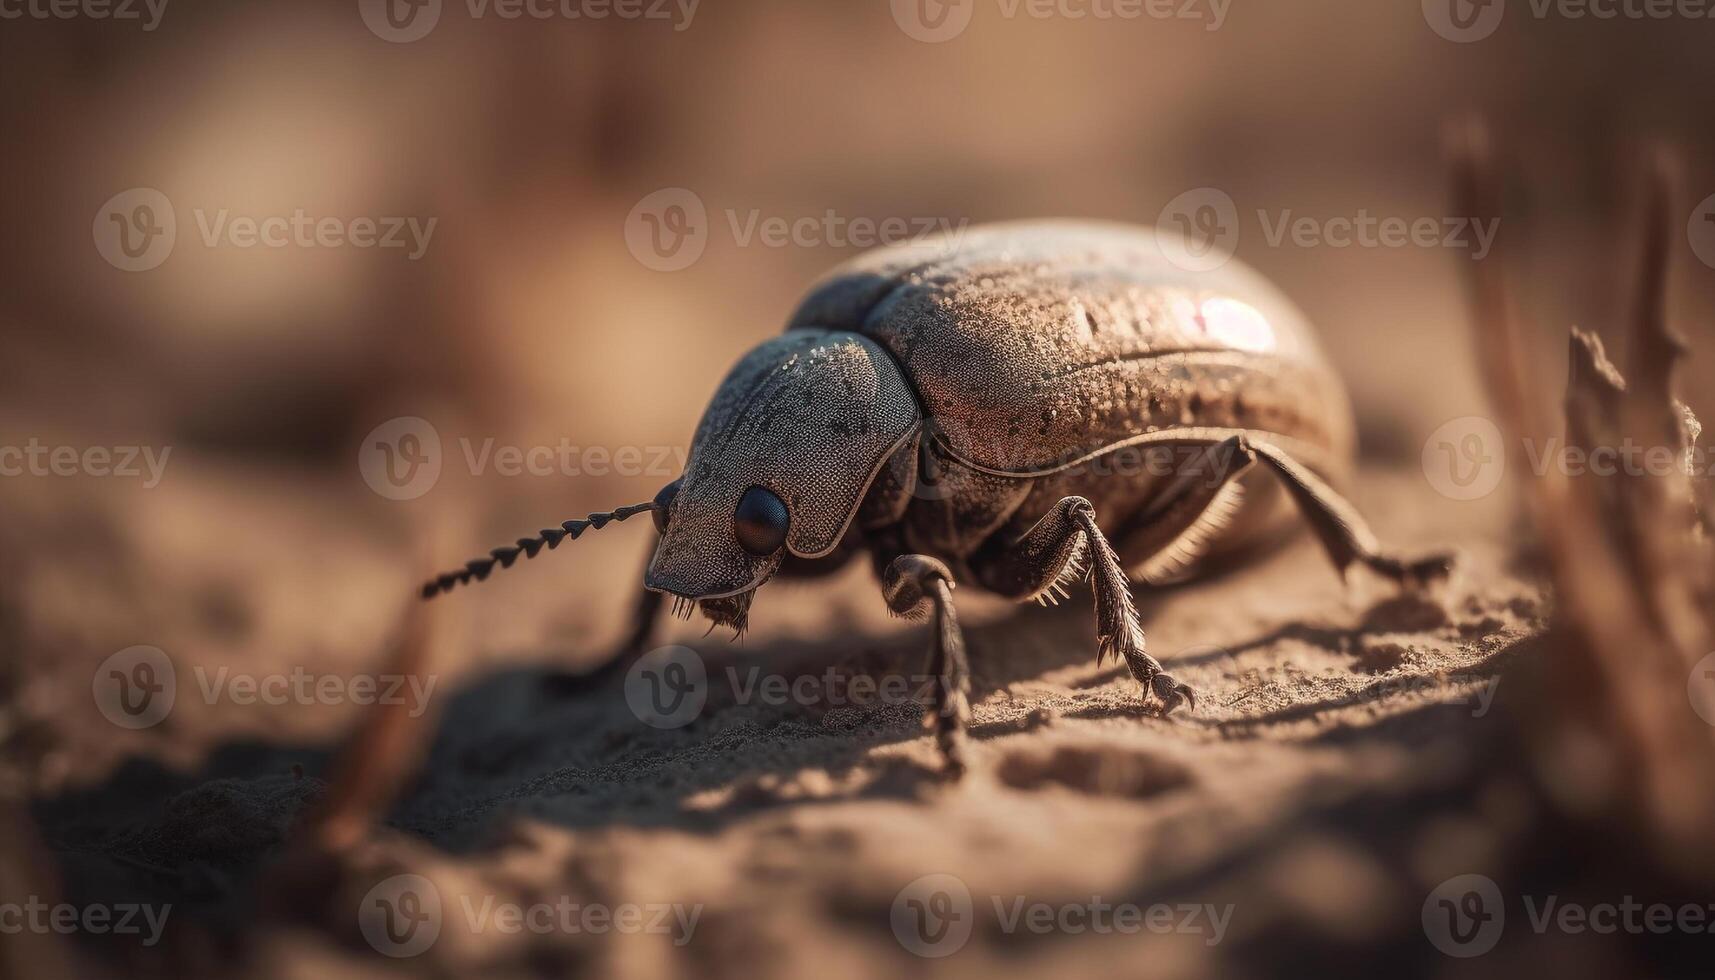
[[789, 828]]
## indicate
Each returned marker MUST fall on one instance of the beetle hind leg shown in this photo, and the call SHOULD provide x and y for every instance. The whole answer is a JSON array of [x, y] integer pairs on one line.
[[1174, 532], [1052, 549], [1341, 529]]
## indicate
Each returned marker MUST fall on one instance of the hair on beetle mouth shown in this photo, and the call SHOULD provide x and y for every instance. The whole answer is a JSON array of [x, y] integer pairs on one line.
[[683, 607], [731, 611]]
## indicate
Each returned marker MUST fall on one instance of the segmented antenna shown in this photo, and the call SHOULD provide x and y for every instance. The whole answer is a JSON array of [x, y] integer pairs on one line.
[[478, 568]]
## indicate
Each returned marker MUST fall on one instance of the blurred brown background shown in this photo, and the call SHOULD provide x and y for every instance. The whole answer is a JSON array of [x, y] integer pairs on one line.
[[530, 140]]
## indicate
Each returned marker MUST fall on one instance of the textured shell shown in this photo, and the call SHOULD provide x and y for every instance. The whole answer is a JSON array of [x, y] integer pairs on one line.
[[811, 416], [1033, 345]]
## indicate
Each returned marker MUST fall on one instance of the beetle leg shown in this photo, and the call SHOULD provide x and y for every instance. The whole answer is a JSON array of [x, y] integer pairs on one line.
[[916, 585], [1340, 527], [1054, 552], [644, 612], [1170, 535]]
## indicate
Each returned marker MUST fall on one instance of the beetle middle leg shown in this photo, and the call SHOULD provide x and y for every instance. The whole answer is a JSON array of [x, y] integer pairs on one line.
[[917, 585], [1055, 551]]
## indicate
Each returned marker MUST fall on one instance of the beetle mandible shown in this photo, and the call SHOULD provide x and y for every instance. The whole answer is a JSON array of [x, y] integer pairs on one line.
[[1016, 406]]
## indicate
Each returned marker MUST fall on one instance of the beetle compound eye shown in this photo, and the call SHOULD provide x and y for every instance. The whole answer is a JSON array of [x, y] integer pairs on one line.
[[761, 522], [664, 503]]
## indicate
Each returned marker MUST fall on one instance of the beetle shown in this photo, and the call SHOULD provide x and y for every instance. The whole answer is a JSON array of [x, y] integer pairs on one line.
[[1016, 406]]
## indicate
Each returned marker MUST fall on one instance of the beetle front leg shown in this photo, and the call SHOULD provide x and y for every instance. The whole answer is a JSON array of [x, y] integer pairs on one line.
[[1054, 552], [914, 586]]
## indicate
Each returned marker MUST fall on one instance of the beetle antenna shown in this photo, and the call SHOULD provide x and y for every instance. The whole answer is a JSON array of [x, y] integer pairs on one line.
[[478, 568]]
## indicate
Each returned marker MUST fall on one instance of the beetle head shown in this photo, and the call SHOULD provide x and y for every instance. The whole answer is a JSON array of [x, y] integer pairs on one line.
[[782, 458]]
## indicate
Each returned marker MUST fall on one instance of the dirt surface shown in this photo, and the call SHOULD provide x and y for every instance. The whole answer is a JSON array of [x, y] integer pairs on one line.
[[783, 821]]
